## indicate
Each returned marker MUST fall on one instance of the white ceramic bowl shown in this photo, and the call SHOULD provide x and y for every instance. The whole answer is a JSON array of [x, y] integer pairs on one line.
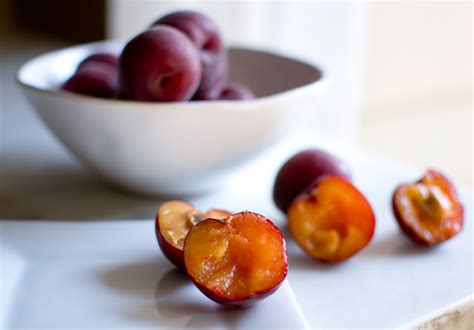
[[170, 148]]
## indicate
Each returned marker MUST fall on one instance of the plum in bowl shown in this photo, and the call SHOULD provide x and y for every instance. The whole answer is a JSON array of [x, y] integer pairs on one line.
[[171, 148]]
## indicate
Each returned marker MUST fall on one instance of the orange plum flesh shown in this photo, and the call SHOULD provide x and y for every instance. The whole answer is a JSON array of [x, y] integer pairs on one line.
[[428, 211], [238, 261], [332, 221], [173, 222]]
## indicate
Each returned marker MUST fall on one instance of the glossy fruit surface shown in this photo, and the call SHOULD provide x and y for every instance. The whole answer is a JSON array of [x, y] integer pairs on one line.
[[238, 261], [106, 58], [429, 210], [332, 221], [206, 36], [301, 170], [94, 79], [173, 222], [160, 64]]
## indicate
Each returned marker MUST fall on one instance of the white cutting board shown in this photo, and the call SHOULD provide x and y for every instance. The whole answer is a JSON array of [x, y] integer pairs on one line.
[[111, 274]]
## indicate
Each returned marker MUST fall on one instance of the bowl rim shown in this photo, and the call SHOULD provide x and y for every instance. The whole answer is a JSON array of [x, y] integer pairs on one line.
[[183, 105]]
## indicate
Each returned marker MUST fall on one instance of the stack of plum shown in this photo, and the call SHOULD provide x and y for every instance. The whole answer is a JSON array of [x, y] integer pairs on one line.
[[181, 57]]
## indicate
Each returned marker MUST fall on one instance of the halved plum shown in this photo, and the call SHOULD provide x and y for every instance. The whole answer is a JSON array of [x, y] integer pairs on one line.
[[332, 221], [428, 211], [173, 222], [238, 261]]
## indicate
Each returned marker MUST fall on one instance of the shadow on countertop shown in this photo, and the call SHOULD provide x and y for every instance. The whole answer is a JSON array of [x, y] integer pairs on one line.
[[177, 303], [63, 191]]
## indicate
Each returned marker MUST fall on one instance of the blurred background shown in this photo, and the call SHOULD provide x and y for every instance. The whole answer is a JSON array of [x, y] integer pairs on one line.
[[399, 73]]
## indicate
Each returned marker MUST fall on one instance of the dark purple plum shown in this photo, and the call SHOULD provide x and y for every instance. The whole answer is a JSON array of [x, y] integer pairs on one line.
[[301, 170], [106, 58], [205, 35], [210, 89], [94, 79], [160, 64], [235, 91]]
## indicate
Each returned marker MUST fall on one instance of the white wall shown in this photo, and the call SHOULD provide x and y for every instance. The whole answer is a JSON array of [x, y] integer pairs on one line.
[[419, 53], [419, 96]]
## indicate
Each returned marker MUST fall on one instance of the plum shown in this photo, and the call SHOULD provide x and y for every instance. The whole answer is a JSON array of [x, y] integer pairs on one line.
[[210, 89], [205, 35], [301, 170], [428, 211], [237, 261], [332, 221], [235, 91], [173, 222], [94, 79], [160, 64], [106, 58]]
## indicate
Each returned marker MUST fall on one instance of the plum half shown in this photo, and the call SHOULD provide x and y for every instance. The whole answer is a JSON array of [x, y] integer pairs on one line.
[[301, 170], [237, 261], [332, 221], [173, 222], [429, 210]]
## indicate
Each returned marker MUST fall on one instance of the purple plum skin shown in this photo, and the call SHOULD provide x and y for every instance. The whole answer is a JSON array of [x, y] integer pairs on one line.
[[161, 65], [235, 91], [106, 58], [94, 79], [301, 170], [206, 36]]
